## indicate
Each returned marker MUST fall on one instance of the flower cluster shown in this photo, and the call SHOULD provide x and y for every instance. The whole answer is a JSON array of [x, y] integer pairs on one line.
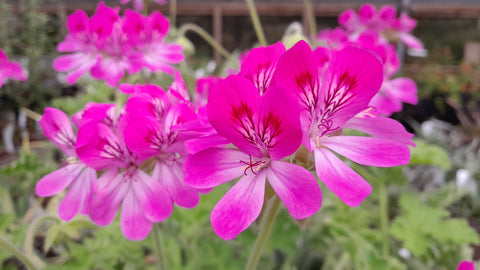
[[109, 45], [270, 126], [161, 148], [378, 31], [10, 69]]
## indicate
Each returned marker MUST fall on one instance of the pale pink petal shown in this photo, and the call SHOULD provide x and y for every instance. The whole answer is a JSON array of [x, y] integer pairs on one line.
[[57, 127], [382, 127], [172, 178], [239, 207], [58, 180], [368, 150], [155, 201], [231, 108], [411, 41], [348, 185], [278, 123], [213, 167], [110, 193], [403, 89], [79, 192], [134, 224], [297, 188]]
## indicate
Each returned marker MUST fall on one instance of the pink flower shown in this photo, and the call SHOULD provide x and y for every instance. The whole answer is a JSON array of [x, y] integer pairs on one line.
[[153, 130], [383, 21], [100, 145], [265, 129], [147, 34], [10, 69], [331, 98], [466, 265], [76, 175]]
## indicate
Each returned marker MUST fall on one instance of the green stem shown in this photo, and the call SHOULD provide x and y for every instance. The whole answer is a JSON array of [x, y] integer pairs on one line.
[[158, 244], [6, 245], [383, 201], [173, 12], [256, 23], [30, 235], [310, 12], [266, 226], [206, 36]]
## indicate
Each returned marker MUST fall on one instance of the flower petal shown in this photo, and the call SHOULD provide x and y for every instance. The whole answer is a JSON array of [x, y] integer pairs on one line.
[[368, 150], [213, 167], [134, 224], [297, 188], [58, 180], [171, 177], [259, 66], [348, 185], [78, 194], [382, 127], [239, 207], [278, 123], [110, 193], [57, 127], [154, 199], [231, 108]]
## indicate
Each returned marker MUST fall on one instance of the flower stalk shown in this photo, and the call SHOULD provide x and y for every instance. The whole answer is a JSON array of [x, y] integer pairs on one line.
[[9, 247], [266, 225], [383, 201], [206, 36], [158, 248], [256, 23]]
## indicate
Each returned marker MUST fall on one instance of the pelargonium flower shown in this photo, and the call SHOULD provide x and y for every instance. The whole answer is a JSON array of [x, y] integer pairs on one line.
[[144, 201], [10, 69], [75, 174], [109, 45], [383, 21], [153, 130], [266, 129], [329, 98]]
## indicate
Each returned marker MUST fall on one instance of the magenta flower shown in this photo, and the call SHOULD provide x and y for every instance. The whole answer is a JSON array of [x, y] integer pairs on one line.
[[153, 130], [10, 69], [265, 129], [329, 99], [383, 21], [148, 35], [75, 174], [100, 145], [466, 265]]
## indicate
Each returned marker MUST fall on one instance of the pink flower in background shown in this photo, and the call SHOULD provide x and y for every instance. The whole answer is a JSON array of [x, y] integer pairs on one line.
[[466, 265], [265, 129], [144, 201], [383, 21], [109, 45], [10, 69], [138, 5], [81, 179], [329, 99]]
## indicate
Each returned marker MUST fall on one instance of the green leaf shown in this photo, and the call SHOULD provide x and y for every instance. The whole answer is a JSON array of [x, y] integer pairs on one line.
[[51, 236], [429, 154]]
